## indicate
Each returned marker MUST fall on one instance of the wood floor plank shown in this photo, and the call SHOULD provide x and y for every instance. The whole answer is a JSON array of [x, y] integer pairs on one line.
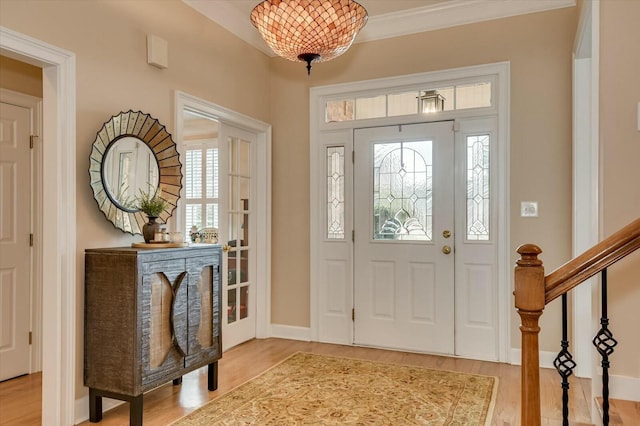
[[240, 364]]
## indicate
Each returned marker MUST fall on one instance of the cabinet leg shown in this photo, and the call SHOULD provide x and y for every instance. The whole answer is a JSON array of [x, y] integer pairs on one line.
[[135, 411], [177, 381], [213, 376], [95, 406]]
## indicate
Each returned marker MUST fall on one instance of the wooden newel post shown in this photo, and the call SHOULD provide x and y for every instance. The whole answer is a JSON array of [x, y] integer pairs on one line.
[[529, 301]]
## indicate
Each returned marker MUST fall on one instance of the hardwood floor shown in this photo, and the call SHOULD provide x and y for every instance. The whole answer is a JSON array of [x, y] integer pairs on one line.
[[18, 397], [21, 400]]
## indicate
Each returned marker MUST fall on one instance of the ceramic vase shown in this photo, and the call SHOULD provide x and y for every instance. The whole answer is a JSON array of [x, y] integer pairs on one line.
[[149, 229]]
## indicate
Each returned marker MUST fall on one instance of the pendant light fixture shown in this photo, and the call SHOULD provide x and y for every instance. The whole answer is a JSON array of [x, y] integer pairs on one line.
[[309, 30]]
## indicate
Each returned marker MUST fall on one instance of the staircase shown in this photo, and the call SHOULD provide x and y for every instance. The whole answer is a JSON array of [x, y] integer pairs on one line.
[[534, 290]]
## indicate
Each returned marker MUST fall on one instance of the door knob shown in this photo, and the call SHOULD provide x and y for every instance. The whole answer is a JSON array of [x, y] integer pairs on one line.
[[226, 248], [446, 249], [446, 233]]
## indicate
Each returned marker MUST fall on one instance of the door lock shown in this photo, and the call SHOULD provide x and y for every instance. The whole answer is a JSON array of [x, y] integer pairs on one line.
[[446, 249], [446, 233]]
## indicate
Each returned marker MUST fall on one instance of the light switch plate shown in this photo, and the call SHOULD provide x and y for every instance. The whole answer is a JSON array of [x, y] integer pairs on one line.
[[529, 209]]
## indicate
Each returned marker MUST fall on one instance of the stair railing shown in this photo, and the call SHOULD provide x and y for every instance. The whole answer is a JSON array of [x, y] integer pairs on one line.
[[534, 290]]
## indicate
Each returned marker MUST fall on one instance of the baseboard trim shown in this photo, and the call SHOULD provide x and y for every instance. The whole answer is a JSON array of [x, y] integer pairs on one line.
[[283, 331], [546, 358], [82, 407], [622, 387]]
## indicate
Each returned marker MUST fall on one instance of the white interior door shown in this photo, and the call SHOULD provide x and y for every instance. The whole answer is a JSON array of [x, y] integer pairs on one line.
[[15, 254], [403, 243], [237, 232]]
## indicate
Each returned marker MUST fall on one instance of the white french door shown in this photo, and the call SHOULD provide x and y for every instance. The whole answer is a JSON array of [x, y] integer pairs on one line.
[[237, 234], [403, 242]]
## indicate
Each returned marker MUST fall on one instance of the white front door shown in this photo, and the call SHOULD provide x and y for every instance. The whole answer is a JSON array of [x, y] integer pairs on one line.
[[237, 233], [15, 252], [404, 224]]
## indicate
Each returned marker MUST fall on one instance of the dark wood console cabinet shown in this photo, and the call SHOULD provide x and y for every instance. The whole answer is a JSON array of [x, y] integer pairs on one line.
[[151, 315]]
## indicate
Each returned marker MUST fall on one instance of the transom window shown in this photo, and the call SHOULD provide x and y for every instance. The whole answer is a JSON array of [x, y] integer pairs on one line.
[[408, 102]]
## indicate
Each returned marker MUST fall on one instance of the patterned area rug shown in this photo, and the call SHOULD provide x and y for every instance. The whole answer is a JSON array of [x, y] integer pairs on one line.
[[316, 389]]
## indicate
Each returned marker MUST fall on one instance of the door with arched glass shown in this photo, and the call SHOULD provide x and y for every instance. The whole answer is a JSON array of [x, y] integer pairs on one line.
[[403, 245]]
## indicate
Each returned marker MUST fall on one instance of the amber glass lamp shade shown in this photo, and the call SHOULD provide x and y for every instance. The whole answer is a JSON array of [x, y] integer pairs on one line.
[[309, 30]]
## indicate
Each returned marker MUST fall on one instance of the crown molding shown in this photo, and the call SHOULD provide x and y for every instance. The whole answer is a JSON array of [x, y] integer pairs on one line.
[[433, 17], [450, 14], [233, 20]]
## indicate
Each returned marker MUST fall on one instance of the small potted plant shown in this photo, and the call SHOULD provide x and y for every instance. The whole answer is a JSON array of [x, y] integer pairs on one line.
[[152, 204]]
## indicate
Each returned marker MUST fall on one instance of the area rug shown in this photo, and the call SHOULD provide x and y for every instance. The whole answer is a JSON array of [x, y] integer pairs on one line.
[[311, 389]]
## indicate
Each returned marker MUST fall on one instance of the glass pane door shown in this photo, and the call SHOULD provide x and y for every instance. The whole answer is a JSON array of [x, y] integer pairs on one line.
[[238, 255], [239, 296]]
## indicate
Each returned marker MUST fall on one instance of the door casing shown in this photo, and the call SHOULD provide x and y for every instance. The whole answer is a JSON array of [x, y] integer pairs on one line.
[[331, 320], [262, 199]]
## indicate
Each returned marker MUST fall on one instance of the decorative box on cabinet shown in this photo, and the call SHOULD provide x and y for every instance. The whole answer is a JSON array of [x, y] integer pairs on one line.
[[151, 315]]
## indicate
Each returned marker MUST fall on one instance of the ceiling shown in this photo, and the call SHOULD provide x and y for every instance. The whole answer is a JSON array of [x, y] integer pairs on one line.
[[387, 18]]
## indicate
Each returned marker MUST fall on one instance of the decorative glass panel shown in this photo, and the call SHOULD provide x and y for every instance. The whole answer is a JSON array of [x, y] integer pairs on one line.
[[478, 197], [403, 104], [335, 192], [371, 107], [402, 191], [336, 111], [473, 95]]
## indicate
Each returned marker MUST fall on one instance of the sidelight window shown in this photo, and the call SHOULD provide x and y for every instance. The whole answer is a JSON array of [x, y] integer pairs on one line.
[[478, 196]]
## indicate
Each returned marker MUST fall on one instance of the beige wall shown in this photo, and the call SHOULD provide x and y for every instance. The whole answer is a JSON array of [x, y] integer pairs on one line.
[[20, 77], [620, 154], [539, 47], [109, 39]]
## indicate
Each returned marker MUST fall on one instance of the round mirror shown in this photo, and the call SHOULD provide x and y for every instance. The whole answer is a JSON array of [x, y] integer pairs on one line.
[[134, 152], [129, 167]]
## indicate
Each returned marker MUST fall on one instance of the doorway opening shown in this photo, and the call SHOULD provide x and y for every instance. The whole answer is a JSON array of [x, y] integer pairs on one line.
[[58, 242], [226, 199]]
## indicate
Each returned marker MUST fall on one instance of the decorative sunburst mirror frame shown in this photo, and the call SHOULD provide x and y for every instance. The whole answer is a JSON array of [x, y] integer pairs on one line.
[[147, 129]]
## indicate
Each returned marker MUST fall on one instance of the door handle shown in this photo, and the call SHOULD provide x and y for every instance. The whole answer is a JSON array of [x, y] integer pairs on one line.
[[446, 250], [226, 248]]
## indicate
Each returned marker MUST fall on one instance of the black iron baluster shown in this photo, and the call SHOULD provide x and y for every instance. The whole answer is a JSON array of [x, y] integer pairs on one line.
[[564, 364], [604, 343]]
